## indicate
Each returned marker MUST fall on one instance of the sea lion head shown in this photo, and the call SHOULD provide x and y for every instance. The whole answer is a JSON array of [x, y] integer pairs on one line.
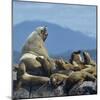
[[87, 58], [42, 31], [57, 79]]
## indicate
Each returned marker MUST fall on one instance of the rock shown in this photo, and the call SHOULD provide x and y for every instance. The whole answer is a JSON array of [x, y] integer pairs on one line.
[[14, 75], [48, 91], [58, 91], [21, 94], [89, 87], [25, 92], [85, 88]]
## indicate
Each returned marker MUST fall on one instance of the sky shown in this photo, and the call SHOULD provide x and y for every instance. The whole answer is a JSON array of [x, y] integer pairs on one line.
[[76, 17]]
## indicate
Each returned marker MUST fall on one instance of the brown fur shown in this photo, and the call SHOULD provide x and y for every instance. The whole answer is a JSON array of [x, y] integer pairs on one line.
[[87, 59], [72, 79], [47, 64], [34, 46], [76, 58], [66, 66]]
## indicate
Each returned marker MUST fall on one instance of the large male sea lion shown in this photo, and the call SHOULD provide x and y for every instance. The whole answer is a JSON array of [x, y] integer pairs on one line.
[[29, 68]]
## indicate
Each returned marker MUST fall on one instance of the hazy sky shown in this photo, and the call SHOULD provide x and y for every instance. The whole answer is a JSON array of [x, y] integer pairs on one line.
[[76, 17]]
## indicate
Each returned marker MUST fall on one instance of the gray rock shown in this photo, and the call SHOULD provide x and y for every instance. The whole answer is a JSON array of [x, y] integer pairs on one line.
[[85, 88], [48, 91], [14, 75], [21, 94]]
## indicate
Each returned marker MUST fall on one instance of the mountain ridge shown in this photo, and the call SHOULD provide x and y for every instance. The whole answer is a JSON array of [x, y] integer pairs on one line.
[[59, 40], [65, 55]]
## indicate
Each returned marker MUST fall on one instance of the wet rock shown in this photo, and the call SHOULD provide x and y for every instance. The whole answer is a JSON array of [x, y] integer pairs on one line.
[[21, 94], [85, 88], [48, 91]]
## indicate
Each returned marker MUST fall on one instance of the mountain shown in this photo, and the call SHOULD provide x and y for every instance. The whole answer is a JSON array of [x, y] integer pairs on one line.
[[65, 55], [59, 39]]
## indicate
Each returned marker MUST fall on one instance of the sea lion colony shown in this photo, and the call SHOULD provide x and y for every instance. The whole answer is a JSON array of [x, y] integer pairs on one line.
[[37, 67]]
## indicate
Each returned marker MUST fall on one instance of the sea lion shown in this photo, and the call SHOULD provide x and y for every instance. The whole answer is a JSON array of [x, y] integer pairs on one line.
[[87, 59], [76, 58], [72, 79], [29, 68]]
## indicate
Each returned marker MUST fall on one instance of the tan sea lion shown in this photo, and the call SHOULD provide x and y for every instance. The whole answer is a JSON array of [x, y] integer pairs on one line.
[[29, 68]]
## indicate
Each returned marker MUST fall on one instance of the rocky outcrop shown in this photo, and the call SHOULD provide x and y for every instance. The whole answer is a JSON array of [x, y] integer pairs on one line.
[[84, 88], [85, 84]]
